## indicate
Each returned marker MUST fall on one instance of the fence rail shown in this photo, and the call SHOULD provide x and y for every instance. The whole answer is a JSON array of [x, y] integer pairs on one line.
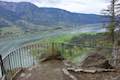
[[28, 55]]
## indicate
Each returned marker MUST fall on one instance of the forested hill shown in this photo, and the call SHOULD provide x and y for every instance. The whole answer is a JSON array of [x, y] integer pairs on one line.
[[27, 14]]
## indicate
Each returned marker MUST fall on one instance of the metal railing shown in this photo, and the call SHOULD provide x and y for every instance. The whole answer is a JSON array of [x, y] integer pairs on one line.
[[29, 55]]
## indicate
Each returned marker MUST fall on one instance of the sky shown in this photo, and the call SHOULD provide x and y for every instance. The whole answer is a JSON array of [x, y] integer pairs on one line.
[[78, 6]]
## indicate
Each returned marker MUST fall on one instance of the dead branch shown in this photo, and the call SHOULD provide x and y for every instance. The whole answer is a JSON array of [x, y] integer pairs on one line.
[[66, 72], [90, 70]]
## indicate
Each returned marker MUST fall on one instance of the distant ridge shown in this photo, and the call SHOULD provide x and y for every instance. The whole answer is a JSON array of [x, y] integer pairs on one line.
[[25, 14]]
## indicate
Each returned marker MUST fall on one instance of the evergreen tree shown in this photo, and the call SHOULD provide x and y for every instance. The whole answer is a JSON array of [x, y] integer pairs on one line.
[[112, 13]]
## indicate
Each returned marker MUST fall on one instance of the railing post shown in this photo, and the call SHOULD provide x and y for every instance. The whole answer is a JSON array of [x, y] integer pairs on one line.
[[53, 48], [9, 62], [62, 46], [20, 54], [2, 66]]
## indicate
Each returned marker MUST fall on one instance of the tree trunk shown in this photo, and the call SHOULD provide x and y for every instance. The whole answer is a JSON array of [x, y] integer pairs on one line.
[[116, 54]]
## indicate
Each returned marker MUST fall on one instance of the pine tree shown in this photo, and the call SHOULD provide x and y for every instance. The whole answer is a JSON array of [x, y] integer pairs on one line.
[[112, 14]]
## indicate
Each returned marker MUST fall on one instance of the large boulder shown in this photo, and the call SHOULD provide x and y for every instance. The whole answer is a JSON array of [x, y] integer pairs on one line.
[[97, 61]]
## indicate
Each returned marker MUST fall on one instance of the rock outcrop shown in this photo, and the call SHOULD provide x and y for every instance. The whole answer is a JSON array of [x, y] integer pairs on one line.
[[97, 61]]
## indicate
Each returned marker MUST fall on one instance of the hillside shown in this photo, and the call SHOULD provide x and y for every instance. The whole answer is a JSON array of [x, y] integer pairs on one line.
[[28, 15]]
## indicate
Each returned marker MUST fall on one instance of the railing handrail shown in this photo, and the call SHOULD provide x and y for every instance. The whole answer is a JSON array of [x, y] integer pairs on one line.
[[65, 43]]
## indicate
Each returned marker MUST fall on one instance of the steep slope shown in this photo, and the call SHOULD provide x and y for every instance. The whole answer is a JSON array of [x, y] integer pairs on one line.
[[7, 17]]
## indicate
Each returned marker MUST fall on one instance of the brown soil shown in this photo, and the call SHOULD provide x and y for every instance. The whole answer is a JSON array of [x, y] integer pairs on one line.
[[52, 70], [97, 76]]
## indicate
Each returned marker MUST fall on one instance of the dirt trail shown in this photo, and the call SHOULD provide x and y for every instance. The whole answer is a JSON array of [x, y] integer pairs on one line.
[[52, 70]]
